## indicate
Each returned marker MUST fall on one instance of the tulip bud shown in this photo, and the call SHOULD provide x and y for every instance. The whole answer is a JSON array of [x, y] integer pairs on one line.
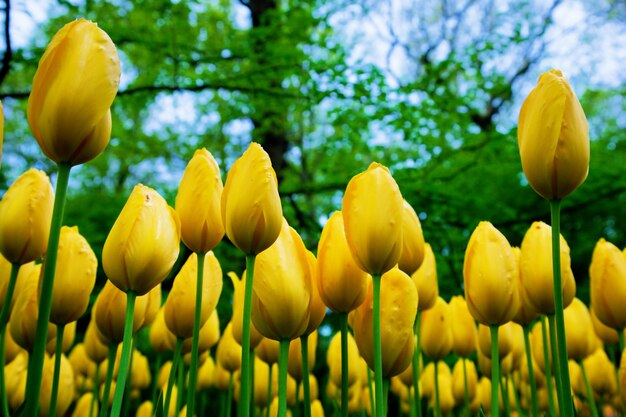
[[95, 348], [261, 380], [553, 137], [25, 216], [396, 324], [526, 313], [153, 306], [198, 203], [505, 340], [206, 375], [267, 350], [110, 312], [463, 327], [317, 410], [180, 305], [372, 210], [412, 241], [84, 406], [342, 284], [607, 335], [209, 335], [458, 380], [490, 272], [536, 269], [145, 409], [228, 354], [608, 284], [65, 394], [251, 210], [5, 275], [436, 332], [11, 349], [75, 277], [69, 334], [578, 329], [425, 280], [281, 294], [69, 112], [143, 243], [239, 287], [294, 364], [600, 373], [317, 306], [536, 341], [333, 359], [81, 363]]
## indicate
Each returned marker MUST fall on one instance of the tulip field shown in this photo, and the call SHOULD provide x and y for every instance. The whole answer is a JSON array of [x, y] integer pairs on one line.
[[134, 329]]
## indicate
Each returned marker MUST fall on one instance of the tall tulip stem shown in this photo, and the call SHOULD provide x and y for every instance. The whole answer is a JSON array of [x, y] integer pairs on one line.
[[282, 377], [531, 373], [104, 406], [547, 367], [416, 366], [304, 343], [172, 376], [268, 402], [343, 322], [437, 401], [127, 343], [96, 385], [465, 388], [4, 318], [378, 358], [157, 368], [244, 400], [495, 370], [193, 365], [567, 408], [592, 401], [556, 363], [229, 395], [57, 371], [35, 362]]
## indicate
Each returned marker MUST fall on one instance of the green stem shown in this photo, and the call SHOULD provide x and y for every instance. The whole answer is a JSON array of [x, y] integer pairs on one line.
[[282, 377], [96, 387], [378, 359], [556, 363], [465, 388], [385, 393], [304, 342], [504, 391], [35, 362], [518, 404], [495, 370], [4, 318], [547, 367], [229, 396], [244, 397], [104, 406], [193, 364], [57, 371], [531, 373], [129, 381], [180, 385], [370, 384], [592, 401], [157, 367], [170, 380], [416, 366], [437, 406], [567, 408], [252, 387], [268, 402], [127, 342], [343, 323]]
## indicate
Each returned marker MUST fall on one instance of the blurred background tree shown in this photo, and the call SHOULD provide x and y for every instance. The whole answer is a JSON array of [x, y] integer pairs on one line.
[[431, 89]]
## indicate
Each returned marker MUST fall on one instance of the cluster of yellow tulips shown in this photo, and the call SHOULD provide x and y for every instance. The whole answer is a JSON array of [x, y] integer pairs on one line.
[[537, 347]]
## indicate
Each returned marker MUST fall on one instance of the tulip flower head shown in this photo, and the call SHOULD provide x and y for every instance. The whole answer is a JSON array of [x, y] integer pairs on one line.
[[463, 327], [436, 331], [73, 89], [143, 243], [553, 137], [412, 241], [608, 284], [425, 280]]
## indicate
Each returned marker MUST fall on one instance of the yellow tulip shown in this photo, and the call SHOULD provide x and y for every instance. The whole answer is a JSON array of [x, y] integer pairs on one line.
[[622, 378], [110, 312], [425, 280], [342, 284], [427, 379], [198, 203], [222, 377], [436, 331], [11, 349], [536, 341], [209, 335], [281, 294], [73, 89], [75, 277], [237, 319], [143, 243], [66, 386], [578, 329], [407, 375], [251, 209], [412, 241], [69, 335], [83, 406], [333, 360], [81, 363], [161, 338], [396, 324], [25, 216], [553, 137], [153, 306], [294, 364], [536, 269], [317, 307], [228, 354], [261, 380], [490, 272], [95, 348], [505, 340], [140, 371], [24, 271], [163, 375], [458, 380], [608, 284], [607, 335], [526, 314], [206, 375], [600, 373], [267, 351], [145, 409], [446, 399], [373, 211], [463, 327], [26, 310], [317, 410], [313, 389], [15, 380], [180, 305]]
